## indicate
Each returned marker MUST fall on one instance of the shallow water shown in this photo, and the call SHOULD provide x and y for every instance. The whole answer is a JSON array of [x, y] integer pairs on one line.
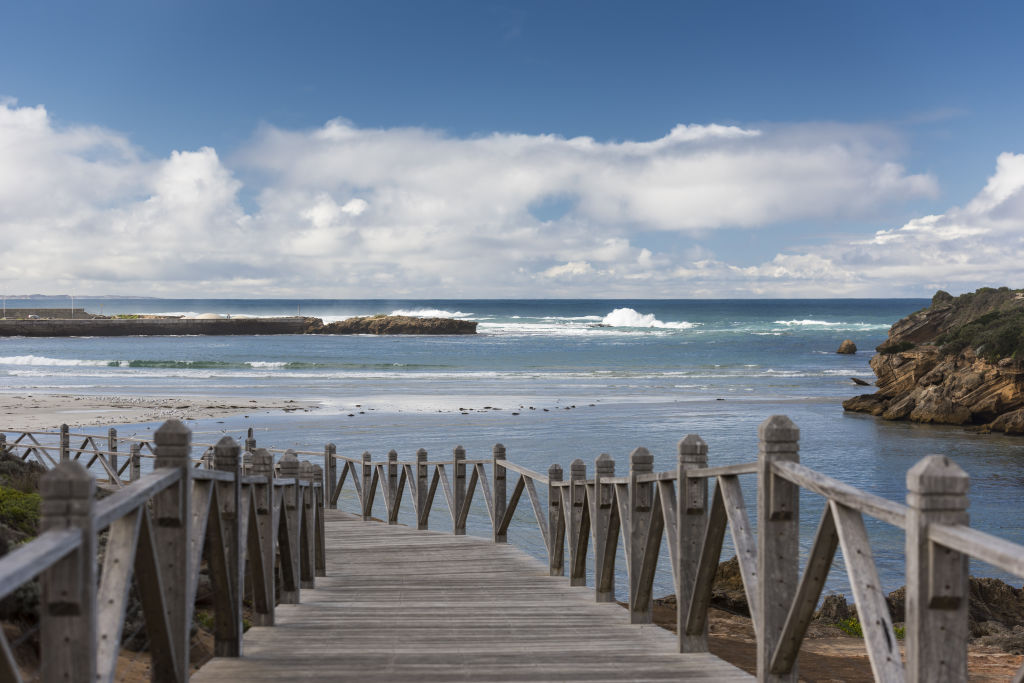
[[663, 370]]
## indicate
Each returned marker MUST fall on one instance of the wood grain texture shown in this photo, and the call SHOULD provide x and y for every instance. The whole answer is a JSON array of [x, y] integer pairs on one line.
[[400, 604]]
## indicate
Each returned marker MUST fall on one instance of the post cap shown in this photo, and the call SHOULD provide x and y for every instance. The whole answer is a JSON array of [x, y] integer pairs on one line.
[[937, 475], [225, 454], [306, 470], [421, 454], [498, 451], [68, 480], [605, 464], [641, 460], [578, 469], [693, 446], [366, 456], [555, 472], [778, 428], [459, 452], [392, 454], [289, 464]]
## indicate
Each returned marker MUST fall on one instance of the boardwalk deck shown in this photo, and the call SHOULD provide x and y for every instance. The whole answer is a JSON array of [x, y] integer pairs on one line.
[[399, 604]]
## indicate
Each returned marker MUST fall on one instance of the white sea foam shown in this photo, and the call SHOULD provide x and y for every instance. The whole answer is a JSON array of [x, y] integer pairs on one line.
[[627, 317], [430, 313], [43, 360], [266, 364]]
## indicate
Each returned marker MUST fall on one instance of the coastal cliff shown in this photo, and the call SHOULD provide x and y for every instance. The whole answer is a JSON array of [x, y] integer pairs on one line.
[[960, 361]]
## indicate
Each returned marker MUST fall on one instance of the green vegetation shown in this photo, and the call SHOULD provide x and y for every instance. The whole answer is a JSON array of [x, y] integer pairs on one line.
[[901, 632], [127, 316], [851, 626], [19, 510], [995, 335]]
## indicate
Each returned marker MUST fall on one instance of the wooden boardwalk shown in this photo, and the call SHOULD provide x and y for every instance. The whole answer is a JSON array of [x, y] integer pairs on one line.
[[404, 605]]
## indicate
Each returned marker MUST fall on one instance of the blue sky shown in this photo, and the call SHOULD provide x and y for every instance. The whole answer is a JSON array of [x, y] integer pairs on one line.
[[455, 133]]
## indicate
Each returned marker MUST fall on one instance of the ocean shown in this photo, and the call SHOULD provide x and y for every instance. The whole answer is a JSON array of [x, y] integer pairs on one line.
[[552, 380]]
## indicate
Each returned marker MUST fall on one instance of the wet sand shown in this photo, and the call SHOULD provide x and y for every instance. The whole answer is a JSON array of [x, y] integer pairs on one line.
[[34, 412]]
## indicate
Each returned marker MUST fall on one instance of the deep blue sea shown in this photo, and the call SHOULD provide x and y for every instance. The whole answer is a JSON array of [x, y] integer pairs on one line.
[[553, 381]]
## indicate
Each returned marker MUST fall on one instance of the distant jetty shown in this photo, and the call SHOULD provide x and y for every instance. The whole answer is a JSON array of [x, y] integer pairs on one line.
[[43, 322]]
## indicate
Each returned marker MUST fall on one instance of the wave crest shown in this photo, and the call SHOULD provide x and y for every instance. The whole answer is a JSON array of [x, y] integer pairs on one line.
[[627, 317], [430, 313]]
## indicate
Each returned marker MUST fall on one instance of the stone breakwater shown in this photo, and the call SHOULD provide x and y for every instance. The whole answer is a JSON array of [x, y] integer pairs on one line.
[[957, 362], [123, 327]]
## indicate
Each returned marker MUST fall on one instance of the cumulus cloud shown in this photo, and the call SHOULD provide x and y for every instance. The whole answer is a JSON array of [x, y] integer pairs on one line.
[[344, 211]]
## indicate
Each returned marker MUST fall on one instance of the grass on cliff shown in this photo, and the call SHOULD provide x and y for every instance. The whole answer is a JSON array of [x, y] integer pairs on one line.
[[995, 335], [19, 510]]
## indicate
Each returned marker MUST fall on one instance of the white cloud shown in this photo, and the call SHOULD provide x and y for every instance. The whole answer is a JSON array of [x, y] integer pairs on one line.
[[344, 211]]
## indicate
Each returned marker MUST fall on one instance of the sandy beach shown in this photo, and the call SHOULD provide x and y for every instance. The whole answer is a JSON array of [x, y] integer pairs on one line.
[[36, 411]]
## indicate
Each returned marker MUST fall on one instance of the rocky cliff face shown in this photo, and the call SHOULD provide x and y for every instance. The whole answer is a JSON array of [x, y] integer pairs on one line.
[[959, 361], [397, 324]]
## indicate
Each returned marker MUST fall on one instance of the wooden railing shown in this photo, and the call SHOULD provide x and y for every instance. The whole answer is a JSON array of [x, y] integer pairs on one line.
[[246, 523], [647, 508]]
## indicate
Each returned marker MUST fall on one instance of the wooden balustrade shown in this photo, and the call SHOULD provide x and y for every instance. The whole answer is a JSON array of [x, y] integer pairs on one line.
[[161, 527], [646, 508]]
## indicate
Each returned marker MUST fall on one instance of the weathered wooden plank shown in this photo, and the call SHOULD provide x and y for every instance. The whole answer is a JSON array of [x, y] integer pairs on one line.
[[139, 493], [26, 561], [826, 540], [742, 538], [883, 650], [526, 472], [711, 551], [115, 581], [510, 509], [538, 512], [990, 549], [833, 489]]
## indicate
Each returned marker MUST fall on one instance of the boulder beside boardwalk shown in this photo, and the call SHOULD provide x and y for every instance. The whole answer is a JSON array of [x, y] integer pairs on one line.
[[960, 361]]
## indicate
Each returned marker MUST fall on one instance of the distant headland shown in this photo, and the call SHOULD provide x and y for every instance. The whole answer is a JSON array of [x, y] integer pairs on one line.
[[67, 322], [960, 361]]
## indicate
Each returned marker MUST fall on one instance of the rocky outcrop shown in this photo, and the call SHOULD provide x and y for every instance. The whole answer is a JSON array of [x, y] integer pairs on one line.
[[847, 347], [960, 361], [397, 324]]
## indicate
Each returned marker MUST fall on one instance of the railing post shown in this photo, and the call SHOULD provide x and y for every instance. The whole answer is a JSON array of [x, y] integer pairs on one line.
[[459, 488], [318, 509], [937, 584], [778, 537], [578, 535], [112, 448], [604, 500], [307, 535], [65, 444], [500, 491], [67, 612], [263, 466], [228, 627], [330, 473], [250, 441], [288, 468], [556, 523], [368, 491], [246, 463], [3, 444], [691, 523], [172, 510], [135, 468], [392, 484], [422, 517], [641, 498], [208, 459]]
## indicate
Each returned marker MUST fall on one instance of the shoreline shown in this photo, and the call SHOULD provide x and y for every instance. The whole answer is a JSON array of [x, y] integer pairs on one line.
[[41, 411]]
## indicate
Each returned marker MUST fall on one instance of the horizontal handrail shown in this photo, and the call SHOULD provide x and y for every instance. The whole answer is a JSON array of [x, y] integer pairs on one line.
[[990, 549], [526, 472], [131, 497], [833, 489], [25, 562], [722, 471]]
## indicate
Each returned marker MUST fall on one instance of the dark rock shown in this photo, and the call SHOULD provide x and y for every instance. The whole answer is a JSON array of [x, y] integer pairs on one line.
[[872, 404], [847, 347], [396, 324], [834, 609], [859, 382]]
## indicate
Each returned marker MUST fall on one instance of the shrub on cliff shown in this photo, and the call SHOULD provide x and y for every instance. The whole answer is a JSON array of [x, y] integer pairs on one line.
[[995, 335]]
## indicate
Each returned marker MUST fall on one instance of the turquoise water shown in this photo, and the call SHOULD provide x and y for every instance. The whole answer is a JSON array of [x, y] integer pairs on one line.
[[600, 376]]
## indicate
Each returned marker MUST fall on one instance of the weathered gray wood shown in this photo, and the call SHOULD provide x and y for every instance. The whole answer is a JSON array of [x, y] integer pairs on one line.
[[307, 532], [458, 490], [883, 650], [463, 515], [130, 498], [330, 474], [321, 548], [65, 443], [263, 498], [936, 644], [135, 471], [202, 498], [605, 528], [288, 537], [538, 512], [500, 504], [556, 524], [115, 580], [485, 490], [166, 660], [575, 503], [691, 525], [826, 540], [778, 534], [8, 666], [711, 551], [431, 492], [872, 505], [990, 549], [172, 510], [641, 497], [228, 617], [510, 509], [743, 540], [641, 600], [369, 487], [25, 561], [666, 492], [67, 614], [346, 468], [528, 473], [112, 456]]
